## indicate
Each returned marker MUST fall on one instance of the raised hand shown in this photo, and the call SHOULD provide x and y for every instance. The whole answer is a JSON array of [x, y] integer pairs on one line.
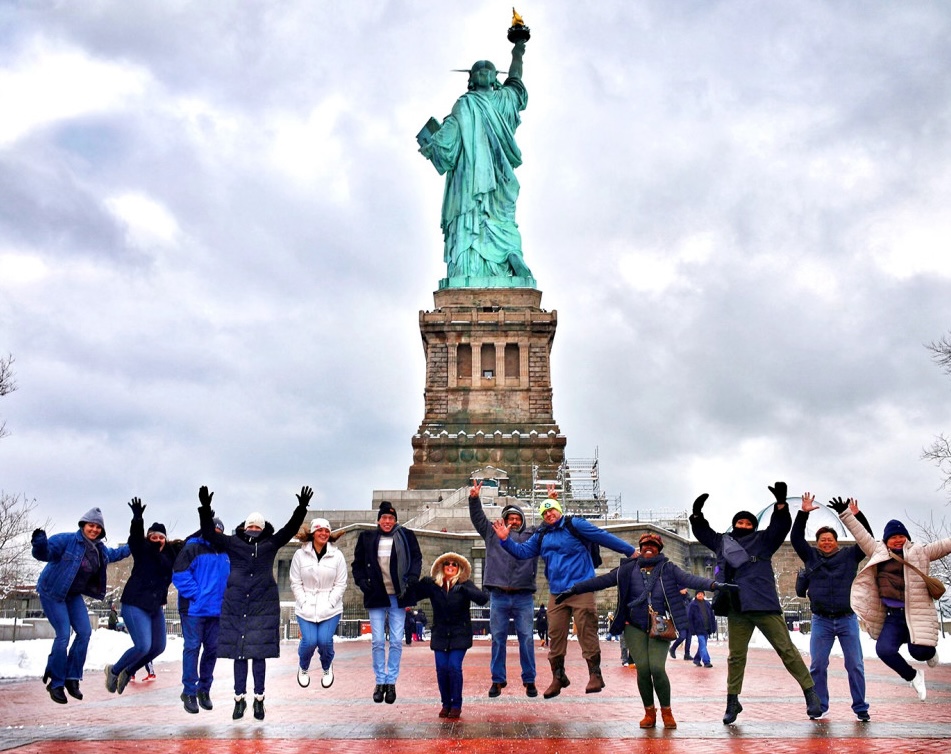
[[838, 504], [37, 534], [306, 493], [853, 506], [501, 529], [809, 502], [779, 491], [475, 489], [137, 507], [204, 497], [552, 492], [698, 503]]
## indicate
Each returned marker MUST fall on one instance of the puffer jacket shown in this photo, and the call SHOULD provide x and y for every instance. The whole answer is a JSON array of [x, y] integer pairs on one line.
[[318, 585], [63, 554], [452, 623], [200, 576], [147, 587], [920, 615]]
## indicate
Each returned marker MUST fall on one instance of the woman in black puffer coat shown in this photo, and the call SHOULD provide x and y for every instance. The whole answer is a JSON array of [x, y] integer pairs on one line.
[[450, 592], [251, 610]]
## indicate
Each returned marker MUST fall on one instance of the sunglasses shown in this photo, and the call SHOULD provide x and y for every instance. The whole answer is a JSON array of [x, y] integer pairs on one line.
[[450, 564]]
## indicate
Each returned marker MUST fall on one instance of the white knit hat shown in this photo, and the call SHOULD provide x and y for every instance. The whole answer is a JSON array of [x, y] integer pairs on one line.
[[319, 523], [255, 519]]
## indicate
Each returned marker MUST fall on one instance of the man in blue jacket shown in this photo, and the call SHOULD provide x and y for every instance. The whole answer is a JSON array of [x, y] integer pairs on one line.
[[510, 583], [743, 557], [832, 570], [567, 560], [200, 575]]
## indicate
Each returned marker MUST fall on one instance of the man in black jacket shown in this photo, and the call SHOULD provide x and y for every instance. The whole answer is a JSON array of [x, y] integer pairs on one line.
[[743, 558], [831, 571]]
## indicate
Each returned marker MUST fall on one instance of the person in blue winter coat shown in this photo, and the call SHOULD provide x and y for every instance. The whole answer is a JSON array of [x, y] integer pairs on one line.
[[75, 567], [648, 581], [144, 597], [564, 548], [702, 623], [451, 593], [200, 575], [251, 609]]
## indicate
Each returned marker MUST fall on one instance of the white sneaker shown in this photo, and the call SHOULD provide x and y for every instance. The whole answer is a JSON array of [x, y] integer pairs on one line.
[[918, 684], [303, 678], [327, 680], [933, 662]]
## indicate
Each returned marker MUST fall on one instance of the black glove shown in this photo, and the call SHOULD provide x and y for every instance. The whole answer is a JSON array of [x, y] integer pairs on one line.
[[306, 493], [720, 585], [779, 491], [838, 505], [565, 595], [698, 503], [137, 508], [37, 534], [204, 496]]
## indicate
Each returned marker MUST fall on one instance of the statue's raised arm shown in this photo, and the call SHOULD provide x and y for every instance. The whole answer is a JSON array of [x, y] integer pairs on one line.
[[475, 148]]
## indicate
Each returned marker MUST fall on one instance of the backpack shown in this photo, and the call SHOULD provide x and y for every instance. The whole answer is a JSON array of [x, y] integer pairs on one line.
[[593, 548]]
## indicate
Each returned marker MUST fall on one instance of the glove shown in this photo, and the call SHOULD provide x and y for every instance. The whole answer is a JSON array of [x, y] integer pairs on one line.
[[722, 586], [838, 505], [37, 534], [306, 493], [204, 497], [137, 508], [698, 503], [779, 492], [565, 595]]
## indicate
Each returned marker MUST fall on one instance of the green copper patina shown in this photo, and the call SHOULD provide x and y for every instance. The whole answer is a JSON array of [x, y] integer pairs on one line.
[[475, 149]]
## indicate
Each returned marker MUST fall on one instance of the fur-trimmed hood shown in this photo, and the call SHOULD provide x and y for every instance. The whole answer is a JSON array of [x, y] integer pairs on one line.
[[465, 570]]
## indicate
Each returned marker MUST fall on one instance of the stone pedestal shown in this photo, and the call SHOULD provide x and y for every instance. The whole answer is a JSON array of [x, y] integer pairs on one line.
[[488, 397]]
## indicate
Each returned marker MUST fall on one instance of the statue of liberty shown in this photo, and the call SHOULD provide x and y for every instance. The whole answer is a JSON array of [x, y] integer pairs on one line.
[[475, 149]]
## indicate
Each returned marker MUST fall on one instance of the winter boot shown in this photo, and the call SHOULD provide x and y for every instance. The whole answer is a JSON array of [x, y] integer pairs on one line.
[[240, 705], [668, 717], [258, 707], [813, 705], [595, 679], [559, 680], [733, 708], [650, 717]]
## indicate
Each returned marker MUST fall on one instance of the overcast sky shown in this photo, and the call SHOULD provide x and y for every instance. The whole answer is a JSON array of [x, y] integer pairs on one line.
[[216, 235]]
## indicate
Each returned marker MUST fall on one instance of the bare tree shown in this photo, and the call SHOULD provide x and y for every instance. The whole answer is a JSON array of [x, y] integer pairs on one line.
[[939, 452], [7, 385], [17, 566]]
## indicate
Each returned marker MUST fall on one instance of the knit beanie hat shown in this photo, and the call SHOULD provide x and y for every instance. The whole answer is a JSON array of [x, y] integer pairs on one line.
[[549, 504], [651, 538], [894, 527], [219, 524], [319, 523], [94, 516], [158, 528], [254, 519], [386, 507], [751, 517]]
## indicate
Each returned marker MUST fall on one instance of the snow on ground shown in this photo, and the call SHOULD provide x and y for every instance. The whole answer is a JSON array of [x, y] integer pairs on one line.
[[27, 659]]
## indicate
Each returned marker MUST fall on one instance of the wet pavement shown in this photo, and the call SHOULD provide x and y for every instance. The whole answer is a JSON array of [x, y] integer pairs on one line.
[[345, 719]]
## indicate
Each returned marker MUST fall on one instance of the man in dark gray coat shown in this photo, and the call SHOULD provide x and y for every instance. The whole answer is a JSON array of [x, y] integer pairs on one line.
[[510, 583]]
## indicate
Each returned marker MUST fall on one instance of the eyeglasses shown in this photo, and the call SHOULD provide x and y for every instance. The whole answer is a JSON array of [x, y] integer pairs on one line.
[[450, 564]]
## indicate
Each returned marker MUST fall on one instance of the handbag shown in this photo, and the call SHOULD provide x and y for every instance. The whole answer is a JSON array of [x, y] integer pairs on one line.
[[936, 587], [661, 626]]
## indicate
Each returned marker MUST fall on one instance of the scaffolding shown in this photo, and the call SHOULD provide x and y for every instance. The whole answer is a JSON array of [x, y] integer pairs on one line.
[[578, 484]]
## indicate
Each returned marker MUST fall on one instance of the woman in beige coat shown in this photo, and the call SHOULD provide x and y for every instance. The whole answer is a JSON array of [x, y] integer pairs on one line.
[[893, 600]]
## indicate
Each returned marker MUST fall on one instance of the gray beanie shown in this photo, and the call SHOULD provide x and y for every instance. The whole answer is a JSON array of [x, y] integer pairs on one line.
[[94, 516]]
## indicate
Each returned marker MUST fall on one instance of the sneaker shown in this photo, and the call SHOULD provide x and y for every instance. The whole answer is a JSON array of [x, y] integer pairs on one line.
[[258, 707], [918, 684], [112, 679], [863, 717], [204, 700], [327, 679], [697, 663], [378, 693], [240, 705], [72, 688], [933, 660], [531, 690], [389, 696], [708, 665], [496, 689], [56, 693], [303, 678], [190, 703], [150, 677], [122, 681]]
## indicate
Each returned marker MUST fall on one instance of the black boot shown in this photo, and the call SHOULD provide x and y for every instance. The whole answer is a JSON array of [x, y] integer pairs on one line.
[[240, 705], [378, 693], [56, 693], [258, 706], [733, 708], [72, 688], [389, 696], [813, 704]]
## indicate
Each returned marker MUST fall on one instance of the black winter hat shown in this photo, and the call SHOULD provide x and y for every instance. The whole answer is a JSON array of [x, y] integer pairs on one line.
[[386, 507], [157, 527], [751, 517]]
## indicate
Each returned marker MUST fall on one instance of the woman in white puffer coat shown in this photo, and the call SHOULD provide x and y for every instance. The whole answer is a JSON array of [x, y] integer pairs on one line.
[[318, 580], [893, 600]]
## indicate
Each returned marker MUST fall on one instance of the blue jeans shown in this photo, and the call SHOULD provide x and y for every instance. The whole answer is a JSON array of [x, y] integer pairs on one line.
[[387, 671], [449, 676], [64, 616], [521, 609], [894, 634], [317, 636], [823, 636], [148, 636], [197, 633], [702, 655]]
